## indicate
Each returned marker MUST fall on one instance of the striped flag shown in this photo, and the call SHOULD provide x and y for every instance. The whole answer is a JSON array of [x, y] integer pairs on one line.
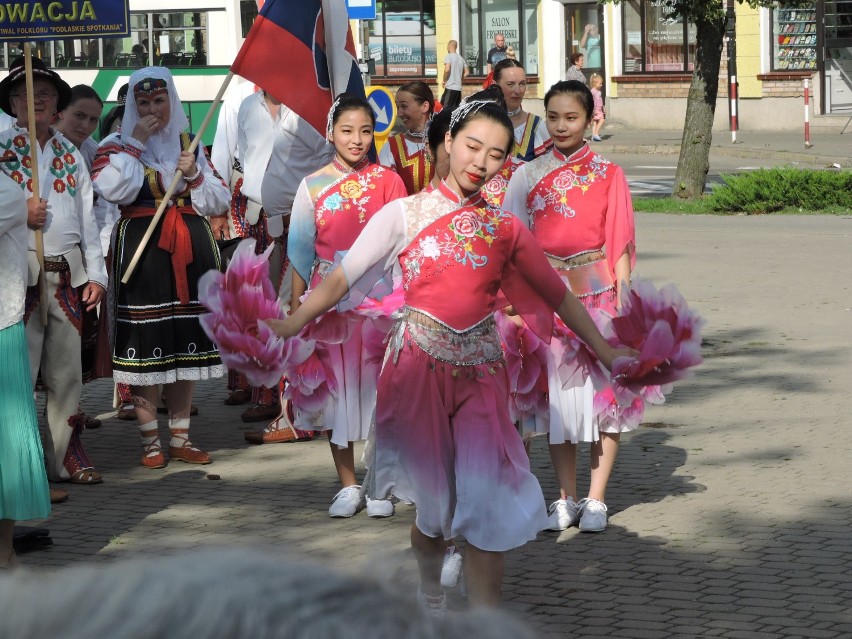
[[302, 53]]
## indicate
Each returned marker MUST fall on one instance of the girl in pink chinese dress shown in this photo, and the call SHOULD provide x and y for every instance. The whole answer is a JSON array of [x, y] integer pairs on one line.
[[444, 439], [330, 210], [578, 207], [406, 152]]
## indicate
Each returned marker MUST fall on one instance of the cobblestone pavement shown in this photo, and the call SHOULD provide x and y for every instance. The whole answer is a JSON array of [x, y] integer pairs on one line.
[[730, 507]]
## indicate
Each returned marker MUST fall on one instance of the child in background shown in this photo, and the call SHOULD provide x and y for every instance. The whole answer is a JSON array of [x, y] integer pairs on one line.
[[598, 115]]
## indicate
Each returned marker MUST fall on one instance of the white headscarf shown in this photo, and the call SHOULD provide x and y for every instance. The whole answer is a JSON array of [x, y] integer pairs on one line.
[[163, 147]]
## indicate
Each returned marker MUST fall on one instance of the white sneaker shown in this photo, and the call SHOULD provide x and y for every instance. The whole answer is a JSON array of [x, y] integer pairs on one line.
[[379, 507], [451, 570], [563, 513], [433, 606], [593, 515], [347, 502]]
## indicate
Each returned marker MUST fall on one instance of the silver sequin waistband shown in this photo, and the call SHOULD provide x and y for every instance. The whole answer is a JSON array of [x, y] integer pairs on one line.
[[479, 344]]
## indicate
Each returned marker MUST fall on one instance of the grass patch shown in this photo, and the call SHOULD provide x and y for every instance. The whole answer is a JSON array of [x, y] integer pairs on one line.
[[670, 204], [782, 190]]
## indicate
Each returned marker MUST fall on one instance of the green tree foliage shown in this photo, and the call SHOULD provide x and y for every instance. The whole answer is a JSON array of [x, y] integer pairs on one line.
[[709, 18]]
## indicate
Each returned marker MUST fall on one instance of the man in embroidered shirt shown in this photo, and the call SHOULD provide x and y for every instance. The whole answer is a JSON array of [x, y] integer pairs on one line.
[[73, 258]]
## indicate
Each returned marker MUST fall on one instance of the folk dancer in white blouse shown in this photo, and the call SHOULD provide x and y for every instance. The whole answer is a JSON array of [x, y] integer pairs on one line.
[[73, 258], [154, 317]]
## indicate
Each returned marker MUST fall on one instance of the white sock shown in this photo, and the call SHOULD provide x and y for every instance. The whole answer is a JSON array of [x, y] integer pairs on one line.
[[179, 439], [148, 440]]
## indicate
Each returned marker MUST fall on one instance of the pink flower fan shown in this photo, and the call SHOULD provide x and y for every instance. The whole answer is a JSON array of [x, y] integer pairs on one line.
[[311, 381], [665, 331], [237, 299], [526, 365]]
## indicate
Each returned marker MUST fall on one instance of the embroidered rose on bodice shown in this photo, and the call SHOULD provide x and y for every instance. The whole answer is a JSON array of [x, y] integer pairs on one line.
[[466, 224], [351, 190]]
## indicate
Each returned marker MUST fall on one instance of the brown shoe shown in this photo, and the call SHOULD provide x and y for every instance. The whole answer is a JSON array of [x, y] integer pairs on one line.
[[261, 412], [238, 397], [189, 454], [152, 454], [186, 452], [58, 496], [92, 422], [127, 414], [271, 436]]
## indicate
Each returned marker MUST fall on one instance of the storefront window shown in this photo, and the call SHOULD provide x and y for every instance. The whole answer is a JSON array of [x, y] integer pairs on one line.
[[402, 38], [655, 40], [794, 39], [516, 20]]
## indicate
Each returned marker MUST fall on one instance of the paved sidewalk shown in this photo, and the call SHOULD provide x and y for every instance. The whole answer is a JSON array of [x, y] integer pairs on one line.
[[730, 508], [826, 149]]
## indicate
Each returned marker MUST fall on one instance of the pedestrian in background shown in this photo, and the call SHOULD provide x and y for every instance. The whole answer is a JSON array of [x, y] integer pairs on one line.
[[574, 71], [598, 116], [455, 70]]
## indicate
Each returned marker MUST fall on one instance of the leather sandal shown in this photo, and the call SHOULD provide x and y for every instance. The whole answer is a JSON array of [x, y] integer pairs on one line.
[[88, 476], [186, 452], [152, 454]]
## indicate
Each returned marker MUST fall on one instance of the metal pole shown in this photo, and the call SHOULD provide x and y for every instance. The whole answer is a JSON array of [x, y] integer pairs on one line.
[[731, 32], [807, 113]]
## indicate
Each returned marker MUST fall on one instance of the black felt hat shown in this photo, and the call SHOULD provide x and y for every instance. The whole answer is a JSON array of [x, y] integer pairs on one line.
[[17, 73]]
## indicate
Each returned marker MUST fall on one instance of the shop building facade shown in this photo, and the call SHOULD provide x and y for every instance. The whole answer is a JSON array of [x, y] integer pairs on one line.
[[644, 54]]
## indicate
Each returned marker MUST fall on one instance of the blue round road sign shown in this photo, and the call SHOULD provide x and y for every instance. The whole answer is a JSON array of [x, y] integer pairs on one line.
[[384, 107]]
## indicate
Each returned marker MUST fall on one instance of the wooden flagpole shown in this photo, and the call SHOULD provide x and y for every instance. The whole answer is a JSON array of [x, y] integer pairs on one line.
[[34, 143], [178, 175]]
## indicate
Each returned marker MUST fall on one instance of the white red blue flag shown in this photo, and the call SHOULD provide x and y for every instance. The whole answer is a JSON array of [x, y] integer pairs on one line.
[[302, 52]]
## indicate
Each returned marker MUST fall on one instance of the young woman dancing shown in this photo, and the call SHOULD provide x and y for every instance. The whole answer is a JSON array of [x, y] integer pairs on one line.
[[444, 438]]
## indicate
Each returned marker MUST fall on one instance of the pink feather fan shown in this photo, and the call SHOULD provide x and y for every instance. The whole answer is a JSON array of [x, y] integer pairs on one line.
[[665, 331], [238, 300]]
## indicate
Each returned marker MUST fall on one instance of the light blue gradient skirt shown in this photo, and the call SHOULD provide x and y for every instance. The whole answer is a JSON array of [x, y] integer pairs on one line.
[[24, 492]]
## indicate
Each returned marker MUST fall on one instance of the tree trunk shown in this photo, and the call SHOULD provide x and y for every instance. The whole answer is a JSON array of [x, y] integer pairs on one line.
[[694, 161]]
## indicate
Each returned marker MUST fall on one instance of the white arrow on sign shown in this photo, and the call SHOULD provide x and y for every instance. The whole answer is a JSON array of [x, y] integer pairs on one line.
[[382, 114]]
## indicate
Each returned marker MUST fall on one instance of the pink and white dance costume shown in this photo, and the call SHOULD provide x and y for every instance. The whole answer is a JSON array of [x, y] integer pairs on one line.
[[444, 439], [580, 212], [331, 208]]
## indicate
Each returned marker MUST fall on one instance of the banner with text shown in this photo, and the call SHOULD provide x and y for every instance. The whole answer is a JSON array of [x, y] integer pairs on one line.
[[62, 19]]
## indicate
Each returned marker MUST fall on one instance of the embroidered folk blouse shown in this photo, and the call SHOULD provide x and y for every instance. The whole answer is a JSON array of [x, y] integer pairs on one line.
[[71, 229]]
